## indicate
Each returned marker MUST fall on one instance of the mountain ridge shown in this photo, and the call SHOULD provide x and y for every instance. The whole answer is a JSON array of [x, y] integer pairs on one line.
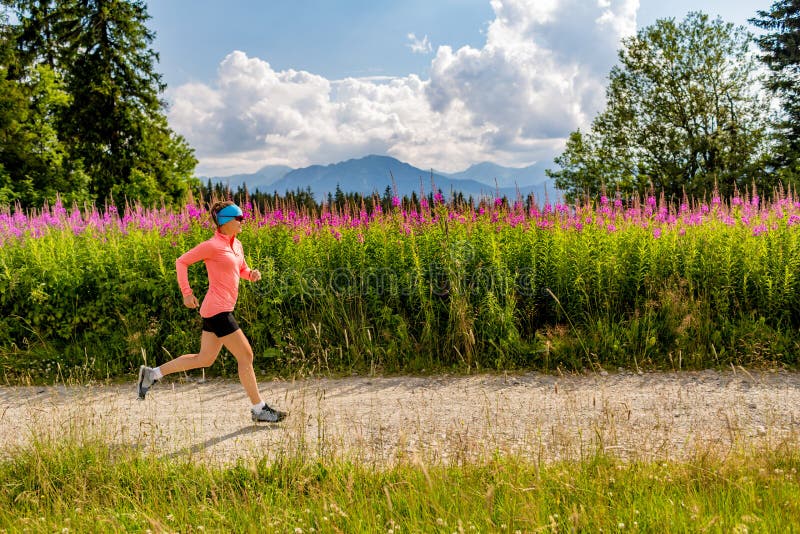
[[373, 173]]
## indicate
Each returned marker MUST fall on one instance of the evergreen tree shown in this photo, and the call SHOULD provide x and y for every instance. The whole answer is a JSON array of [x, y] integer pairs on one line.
[[115, 121], [35, 162], [339, 198], [103, 123], [781, 53]]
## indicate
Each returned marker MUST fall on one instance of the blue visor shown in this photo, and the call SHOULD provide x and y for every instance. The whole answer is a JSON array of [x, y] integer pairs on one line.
[[228, 213]]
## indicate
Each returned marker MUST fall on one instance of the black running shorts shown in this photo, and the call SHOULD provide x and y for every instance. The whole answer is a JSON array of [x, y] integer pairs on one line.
[[220, 324]]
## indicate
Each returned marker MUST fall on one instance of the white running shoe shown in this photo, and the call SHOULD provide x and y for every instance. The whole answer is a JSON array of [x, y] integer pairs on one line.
[[267, 415], [146, 380]]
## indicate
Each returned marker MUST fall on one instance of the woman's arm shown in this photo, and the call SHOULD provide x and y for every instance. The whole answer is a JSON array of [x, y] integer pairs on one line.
[[247, 273], [200, 252]]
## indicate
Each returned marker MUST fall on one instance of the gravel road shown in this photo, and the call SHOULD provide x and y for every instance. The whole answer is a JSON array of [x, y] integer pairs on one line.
[[434, 419]]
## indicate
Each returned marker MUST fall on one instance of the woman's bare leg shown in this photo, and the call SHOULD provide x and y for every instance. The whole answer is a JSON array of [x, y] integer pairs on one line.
[[239, 346], [210, 346]]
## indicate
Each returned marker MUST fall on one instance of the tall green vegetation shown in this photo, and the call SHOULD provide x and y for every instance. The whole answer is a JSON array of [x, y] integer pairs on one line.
[[85, 115], [683, 116], [652, 285], [780, 45]]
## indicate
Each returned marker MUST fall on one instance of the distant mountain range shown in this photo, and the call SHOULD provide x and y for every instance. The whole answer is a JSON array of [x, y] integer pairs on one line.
[[373, 174]]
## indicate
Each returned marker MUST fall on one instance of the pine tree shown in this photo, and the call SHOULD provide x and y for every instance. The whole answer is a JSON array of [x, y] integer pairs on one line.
[[781, 53], [111, 128], [115, 120]]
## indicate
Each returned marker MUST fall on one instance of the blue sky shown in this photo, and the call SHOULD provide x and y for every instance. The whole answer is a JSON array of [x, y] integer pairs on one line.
[[437, 83]]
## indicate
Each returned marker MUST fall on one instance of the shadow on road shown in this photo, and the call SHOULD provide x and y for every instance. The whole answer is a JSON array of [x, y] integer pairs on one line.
[[199, 447]]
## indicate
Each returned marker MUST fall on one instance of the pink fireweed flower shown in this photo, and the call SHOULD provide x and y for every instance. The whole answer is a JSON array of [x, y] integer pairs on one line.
[[438, 198], [793, 220], [396, 201], [604, 200], [651, 201], [498, 202], [59, 210], [760, 229], [656, 233]]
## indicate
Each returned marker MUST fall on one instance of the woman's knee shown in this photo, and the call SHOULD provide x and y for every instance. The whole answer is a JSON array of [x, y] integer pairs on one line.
[[205, 360], [245, 357]]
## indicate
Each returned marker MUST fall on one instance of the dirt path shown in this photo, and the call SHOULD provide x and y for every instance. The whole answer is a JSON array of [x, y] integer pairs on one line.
[[649, 416]]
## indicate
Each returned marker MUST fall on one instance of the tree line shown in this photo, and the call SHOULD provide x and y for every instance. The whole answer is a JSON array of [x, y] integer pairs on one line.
[[349, 202]]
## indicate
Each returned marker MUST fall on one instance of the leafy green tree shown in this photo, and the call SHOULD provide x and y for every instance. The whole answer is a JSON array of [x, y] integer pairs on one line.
[[94, 103], [781, 53], [13, 113], [35, 167], [683, 116], [115, 122]]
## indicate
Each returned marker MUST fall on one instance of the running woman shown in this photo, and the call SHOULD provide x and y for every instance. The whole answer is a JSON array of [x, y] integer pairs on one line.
[[225, 264]]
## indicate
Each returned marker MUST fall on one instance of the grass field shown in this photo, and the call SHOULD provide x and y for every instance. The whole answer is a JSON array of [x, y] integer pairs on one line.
[[71, 487]]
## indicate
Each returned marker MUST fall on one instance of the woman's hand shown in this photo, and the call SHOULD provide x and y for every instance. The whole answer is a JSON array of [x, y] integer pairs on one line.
[[255, 275], [190, 301]]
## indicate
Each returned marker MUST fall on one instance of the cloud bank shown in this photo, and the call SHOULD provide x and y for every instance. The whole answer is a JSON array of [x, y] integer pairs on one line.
[[540, 75]]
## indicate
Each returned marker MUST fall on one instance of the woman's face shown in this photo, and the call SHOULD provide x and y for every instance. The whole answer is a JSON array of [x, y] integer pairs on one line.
[[232, 227]]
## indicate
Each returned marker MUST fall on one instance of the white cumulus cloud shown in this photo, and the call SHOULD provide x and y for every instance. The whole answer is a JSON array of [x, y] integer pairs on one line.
[[540, 74], [419, 46]]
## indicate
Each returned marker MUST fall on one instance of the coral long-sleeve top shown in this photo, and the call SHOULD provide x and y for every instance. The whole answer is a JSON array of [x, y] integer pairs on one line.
[[225, 263]]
